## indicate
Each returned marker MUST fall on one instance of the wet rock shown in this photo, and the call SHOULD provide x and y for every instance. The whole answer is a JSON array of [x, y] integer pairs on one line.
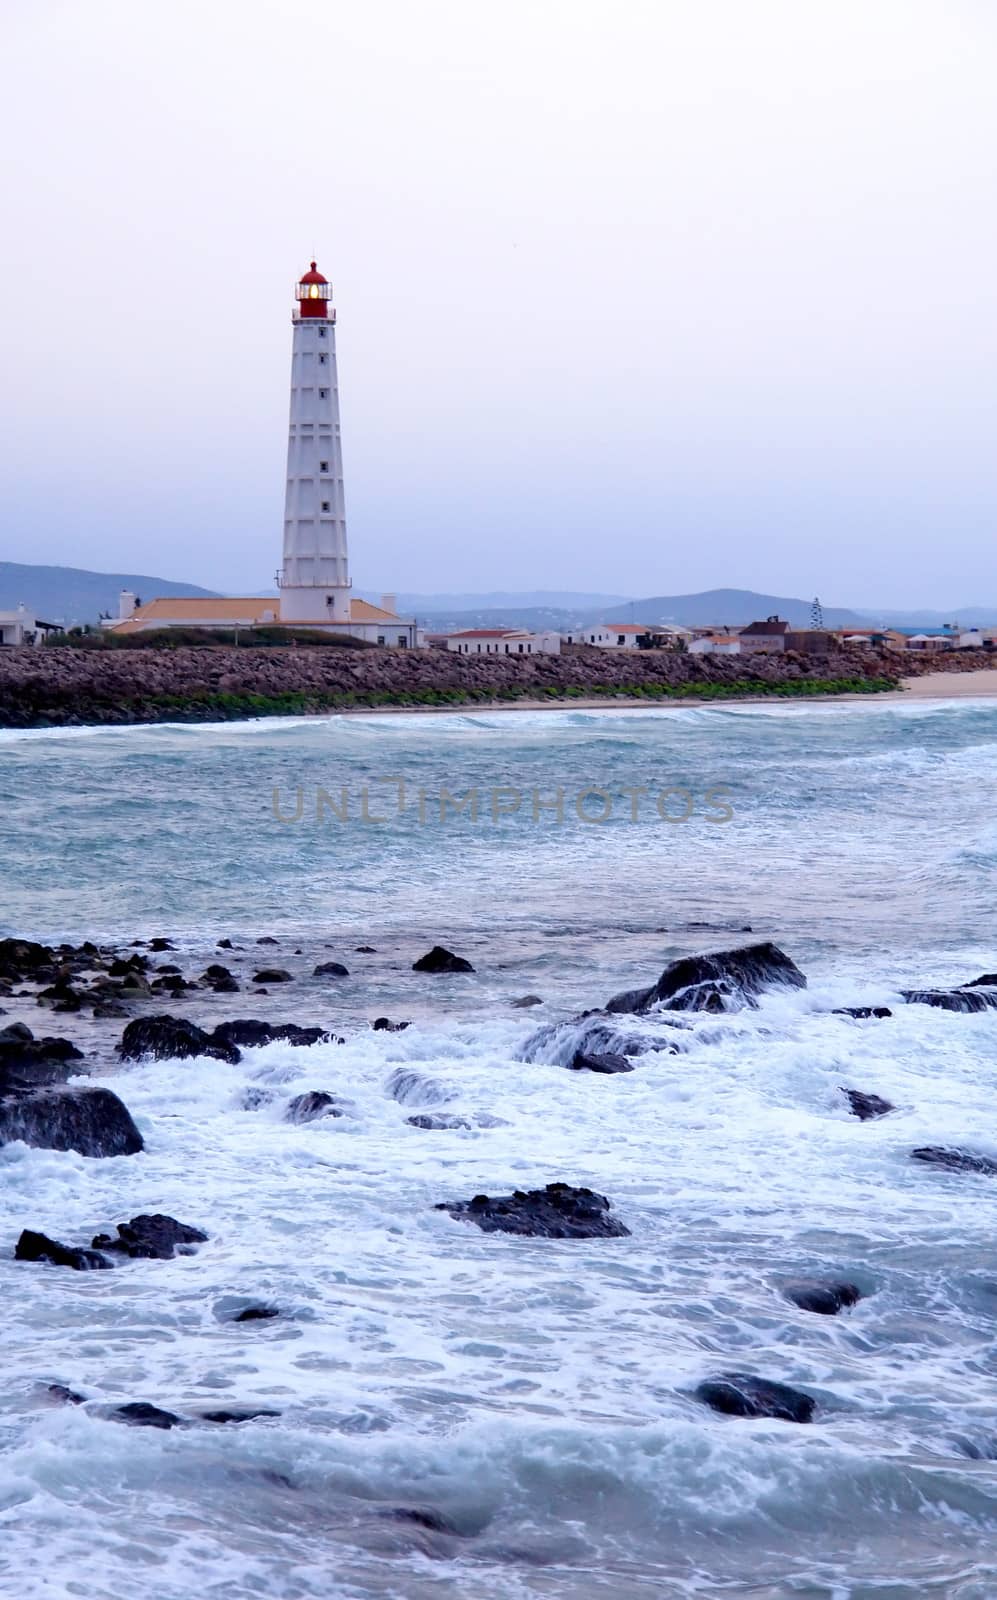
[[385, 1025], [66, 1396], [592, 1034], [140, 1414], [152, 1238], [365, 950], [724, 981], [861, 1011], [421, 1517], [38, 1247], [310, 1106], [161, 944], [237, 1415], [956, 1160], [60, 997], [267, 939], [525, 1000], [170, 983], [440, 960], [91, 1121], [16, 1033], [827, 1299], [224, 944], [437, 1121], [272, 975], [255, 1099], [219, 979], [249, 1033], [257, 1314], [412, 1089], [741, 1394], [608, 1062], [867, 1106], [330, 969], [26, 1062], [953, 999], [988, 980], [126, 968], [557, 1212], [172, 1039]]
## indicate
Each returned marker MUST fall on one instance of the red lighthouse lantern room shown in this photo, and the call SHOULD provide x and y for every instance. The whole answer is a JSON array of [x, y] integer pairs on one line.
[[312, 293]]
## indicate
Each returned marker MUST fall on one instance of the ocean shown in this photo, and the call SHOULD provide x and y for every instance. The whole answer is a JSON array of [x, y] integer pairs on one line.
[[462, 1413]]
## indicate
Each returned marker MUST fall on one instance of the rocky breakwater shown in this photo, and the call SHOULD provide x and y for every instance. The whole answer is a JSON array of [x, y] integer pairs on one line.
[[66, 686]]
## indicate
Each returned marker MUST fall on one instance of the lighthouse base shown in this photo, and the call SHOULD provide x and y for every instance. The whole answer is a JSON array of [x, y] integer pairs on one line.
[[314, 604]]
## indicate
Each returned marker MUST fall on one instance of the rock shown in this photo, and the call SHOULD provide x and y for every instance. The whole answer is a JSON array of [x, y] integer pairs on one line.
[[91, 1121], [365, 950], [237, 1415], [741, 1394], [16, 1033], [412, 1089], [591, 1033], [140, 1414], [437, 1121], [310, 1106], [723, 981], [152, 1238], [272, 975], [125, 969], [556, 1212], [67, 1396], [440, 960], [953, 999], [257, 1314], [422, 1517], [956, 1160], [827, 1299], [171, 983], [60, 997], [172, 1039], [161, 944], [606, 1062], [330, 969], [27, 1063], [255, 1099], [861, 1011], [267, 940], [867, 1106], [249, 1033], [525, 1000], [219, 979], [38, 1247], [385, 1025], [987, 981], [224, 944]]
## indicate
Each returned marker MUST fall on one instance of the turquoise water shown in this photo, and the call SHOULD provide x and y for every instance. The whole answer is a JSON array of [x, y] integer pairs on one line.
[[536, 1394]]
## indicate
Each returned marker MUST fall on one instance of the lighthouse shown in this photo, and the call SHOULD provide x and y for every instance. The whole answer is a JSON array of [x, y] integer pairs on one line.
[[314, 580]]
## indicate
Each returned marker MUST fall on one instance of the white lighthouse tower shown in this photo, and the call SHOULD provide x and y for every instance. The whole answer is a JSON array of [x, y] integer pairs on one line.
[[314, 580]]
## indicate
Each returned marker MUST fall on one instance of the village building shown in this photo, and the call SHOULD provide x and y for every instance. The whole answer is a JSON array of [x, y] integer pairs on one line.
[[765, 638], [503, 641], [21, 626]]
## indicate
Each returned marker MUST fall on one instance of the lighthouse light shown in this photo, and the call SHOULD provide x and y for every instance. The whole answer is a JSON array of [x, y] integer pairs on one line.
[[313, 291]]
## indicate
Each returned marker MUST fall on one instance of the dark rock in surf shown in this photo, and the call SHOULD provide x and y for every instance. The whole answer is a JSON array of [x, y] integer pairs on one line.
[[257, 1314], [956, 1160], [172, 1039], [249, 1033], [237, 1415], [437, 1121], [422, 1517], [268, 939], [988, 980], [365, 950], [224, 944], [867, 1106], [64, 1395], [969, 999], [140, 1414], [38, 1247], [526, 1000], [607, 1062], [826, 1299], [592, 1033], [440, 960], [161, 944], [726, 980], [331, 969], [93, 1122], [219, 979], [272, 975], [412, 1089], [152, 1238], [861, 1012], [557, 1212], [385, 1025], [310, 1106], [741, 1394]]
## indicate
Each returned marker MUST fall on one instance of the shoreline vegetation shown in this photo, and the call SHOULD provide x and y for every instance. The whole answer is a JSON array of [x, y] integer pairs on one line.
[[70, 687]]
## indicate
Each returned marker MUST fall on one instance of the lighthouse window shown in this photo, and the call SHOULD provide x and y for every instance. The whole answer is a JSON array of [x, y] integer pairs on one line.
[[323, 358], [323, 466], [326, 505], [321, 333], [323, 394]]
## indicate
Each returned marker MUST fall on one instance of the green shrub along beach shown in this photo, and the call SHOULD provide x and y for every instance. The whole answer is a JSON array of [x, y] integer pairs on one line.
[[69, 686]]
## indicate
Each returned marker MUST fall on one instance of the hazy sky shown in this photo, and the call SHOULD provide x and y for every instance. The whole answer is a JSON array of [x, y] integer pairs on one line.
[[644, 296]]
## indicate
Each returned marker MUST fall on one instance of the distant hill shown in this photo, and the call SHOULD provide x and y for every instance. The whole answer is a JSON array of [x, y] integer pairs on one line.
[[498, 600], [73, 595], [736, 607], [968, 616]]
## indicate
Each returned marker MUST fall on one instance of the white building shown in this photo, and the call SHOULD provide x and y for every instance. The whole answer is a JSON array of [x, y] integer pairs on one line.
[[503, 641], [715, 644], [313, 580], [21, 627]]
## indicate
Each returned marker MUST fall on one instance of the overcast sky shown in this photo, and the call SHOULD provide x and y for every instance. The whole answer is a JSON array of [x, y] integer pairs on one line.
[[643, 296]]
